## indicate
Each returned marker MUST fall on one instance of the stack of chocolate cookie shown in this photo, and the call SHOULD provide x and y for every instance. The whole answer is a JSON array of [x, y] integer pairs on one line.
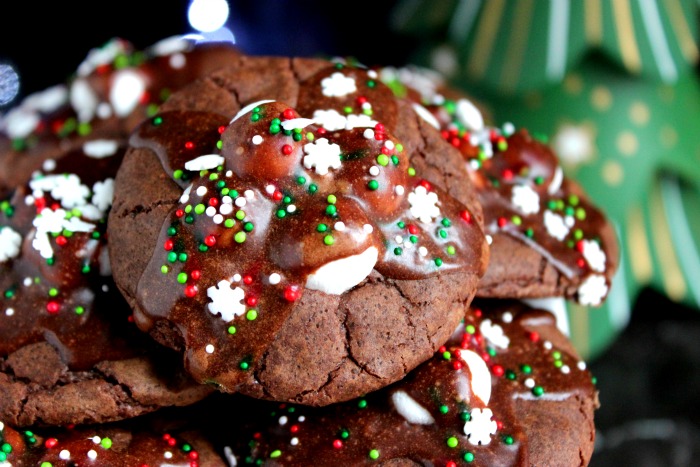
[[296, 246]]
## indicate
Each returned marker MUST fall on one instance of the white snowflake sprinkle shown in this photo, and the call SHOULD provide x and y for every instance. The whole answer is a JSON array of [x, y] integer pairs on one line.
[[10, 242], [226, 300], [593, 290], [526, 199], [65, 188], [594, 255], [480, 427], [102, 194], [331, 120], [423, 204], [321, 156], [338, 85], [494, 334], [556, 227]]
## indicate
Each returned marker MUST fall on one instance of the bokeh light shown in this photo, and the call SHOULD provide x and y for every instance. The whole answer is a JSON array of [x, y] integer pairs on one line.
[[9, 84], [208, 15]]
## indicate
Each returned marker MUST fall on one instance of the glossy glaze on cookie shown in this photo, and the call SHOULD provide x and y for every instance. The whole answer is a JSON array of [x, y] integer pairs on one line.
[[55, 267], [276, 201], [459, 408], [522, 187], [111, 91], [107, 446]]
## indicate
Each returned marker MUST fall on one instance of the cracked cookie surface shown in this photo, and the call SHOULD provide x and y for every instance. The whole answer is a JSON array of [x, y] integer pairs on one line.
[[295, 230]]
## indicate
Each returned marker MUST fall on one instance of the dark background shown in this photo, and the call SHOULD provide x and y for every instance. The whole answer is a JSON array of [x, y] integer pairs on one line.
[[648, 379]]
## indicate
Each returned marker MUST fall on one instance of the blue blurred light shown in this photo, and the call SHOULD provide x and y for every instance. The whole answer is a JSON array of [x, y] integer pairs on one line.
[[9, 84], [208, 15]]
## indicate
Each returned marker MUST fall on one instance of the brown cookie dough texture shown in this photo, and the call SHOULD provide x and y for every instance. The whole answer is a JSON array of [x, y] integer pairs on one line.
[[68, 351], [506, 389], [111, 91], [547, 238], [295, 230]]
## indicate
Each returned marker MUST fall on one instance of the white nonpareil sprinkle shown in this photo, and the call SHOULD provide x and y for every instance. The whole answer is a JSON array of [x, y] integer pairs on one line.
[[507, 317], [240, 202], [339, 226], [210, 211], [177, 61], [374, 171], [423, 251], [291, 208], [218, 219], [64, 454], [9, 312], [201, 191], [92, 454], [367, 228], [301, 418], [249, 195], [565, 369], [581, 365], [270, 189], [257, 140], [96, 439], [283, 420], [48, 165], [368, 133], [168, 455], [275, 278], [209, 348], [294, 441], [529, 383], [399, 190]]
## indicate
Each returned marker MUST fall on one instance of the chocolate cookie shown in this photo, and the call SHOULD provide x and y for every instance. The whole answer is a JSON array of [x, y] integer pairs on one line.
[[295, 230], [547, 238], [110, 445], [114, 88], [506, 389], [69, 351]]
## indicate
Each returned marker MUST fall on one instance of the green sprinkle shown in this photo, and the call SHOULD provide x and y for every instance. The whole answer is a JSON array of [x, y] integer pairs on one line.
[[177, 175], [239, 237], [281, 213], [199, 209], [6, 448], [573, 200], [331, 199], [321, 227], [79, 310], [517, 220], [43, 464], [373, 185], [438, 262], [470, 329], [508, 439], [186, 447], [182, 278], [538, 391], [446, 355], [452, 442], [228, 223], [297, 137], [383, 160], [106, 443], [328, 240], [468, 457], [345, 434], [444, 409], [580, 214], [398, 251], [164, 269], [182, 257], [529, 233], [442, 233], [527, 369], [446, 222], [188, 208], [411, 172], [331, 210], [362, 403], [248, 226], [395, 160], [251, 315], [53, 292], [275, 454], [374, 454], [231, 329], [413, 239], [313, 188], [301, 180], [450, 250], [244, 365], [510, 374], [240, 215], [287, 199], [465, 416], [203, 248], [157, 120], [171, 231], [172, 256]]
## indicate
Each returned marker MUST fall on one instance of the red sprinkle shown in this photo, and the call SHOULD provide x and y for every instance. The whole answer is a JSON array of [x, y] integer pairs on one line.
[[499, 425], [179, 213], [292, 293], [466, 216], [498, 370], [457, 364], [252, 300], [451, 464], [337, 444], [581, 263], [196, 274], [294, 428], [412, 229], [502, 221], [247, 279], [61, 240], [213, 202], [221, 129], [168, 245], [533, 336], [507, 174], [287, 149], [53, 307], [189, 145], [288, 114], [191, 290], [210, 240], [50, 443], [426, 184], [277, 195], [442, 349], [193, 455]]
